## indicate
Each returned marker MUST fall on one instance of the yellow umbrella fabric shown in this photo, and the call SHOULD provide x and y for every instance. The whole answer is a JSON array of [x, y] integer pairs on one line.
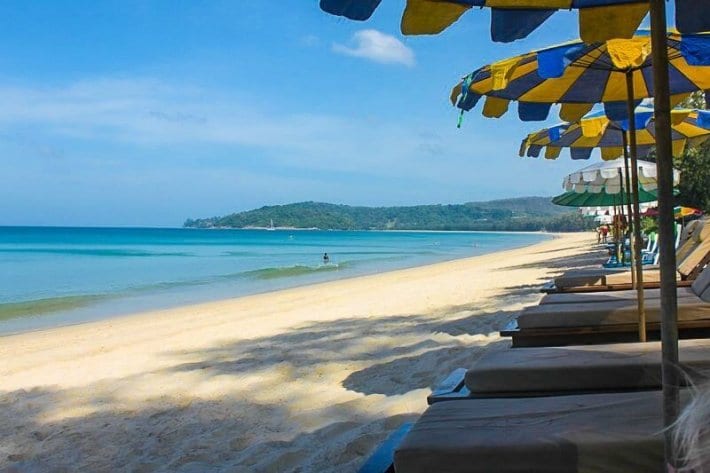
[[596, 131], [578, 75], [599, 20]]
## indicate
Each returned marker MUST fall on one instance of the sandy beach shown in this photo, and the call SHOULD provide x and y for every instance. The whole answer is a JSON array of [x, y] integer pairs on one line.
[[308, 379]]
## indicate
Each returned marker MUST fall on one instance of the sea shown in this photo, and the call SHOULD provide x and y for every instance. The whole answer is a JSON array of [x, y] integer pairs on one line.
[[53, 276]]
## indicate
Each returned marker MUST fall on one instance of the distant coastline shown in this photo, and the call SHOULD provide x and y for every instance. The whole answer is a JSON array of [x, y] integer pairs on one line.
[[526, 214]]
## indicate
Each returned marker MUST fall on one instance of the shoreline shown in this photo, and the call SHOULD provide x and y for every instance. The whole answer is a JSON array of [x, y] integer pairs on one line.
[[311, 377], [108, 306]]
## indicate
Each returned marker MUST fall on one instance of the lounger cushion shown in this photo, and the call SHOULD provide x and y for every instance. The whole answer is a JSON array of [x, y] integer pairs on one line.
[[598, 277], [589, 277], [619, 366], [628, 295], [695, 258], [611, 433], [702, 282], [691, 229], [650, 274], [607, 313]]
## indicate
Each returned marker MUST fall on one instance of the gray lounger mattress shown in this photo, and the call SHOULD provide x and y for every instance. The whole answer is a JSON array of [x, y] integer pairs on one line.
[[611, 433]]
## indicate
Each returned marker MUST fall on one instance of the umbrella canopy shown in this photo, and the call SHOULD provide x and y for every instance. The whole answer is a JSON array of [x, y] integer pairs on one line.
[[678, 212], [682, 212], [602, 198], [609, 176], [511, 20], [578, 75], [595, 130]]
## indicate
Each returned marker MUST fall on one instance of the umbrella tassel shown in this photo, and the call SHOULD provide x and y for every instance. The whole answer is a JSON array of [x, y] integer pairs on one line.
[[465, 84]]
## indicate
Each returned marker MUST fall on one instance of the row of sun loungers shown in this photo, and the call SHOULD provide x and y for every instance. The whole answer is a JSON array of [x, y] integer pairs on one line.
[[692, 254], [573, 408], [612, 316]]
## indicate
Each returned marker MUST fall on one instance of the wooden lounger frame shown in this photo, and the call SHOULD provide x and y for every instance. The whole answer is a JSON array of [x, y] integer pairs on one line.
[[592, 335], [454, 388], [550, 288]]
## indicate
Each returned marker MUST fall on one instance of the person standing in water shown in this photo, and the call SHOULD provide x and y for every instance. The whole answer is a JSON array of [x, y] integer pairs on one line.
[[326, 258]]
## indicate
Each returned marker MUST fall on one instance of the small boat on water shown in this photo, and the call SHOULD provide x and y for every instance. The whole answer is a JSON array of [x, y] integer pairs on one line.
[[271, 226]]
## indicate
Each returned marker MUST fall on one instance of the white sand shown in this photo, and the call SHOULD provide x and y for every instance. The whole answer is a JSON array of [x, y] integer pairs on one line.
[[307, 379]]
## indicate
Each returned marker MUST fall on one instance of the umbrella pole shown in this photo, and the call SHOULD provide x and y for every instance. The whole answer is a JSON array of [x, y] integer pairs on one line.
[[628, 204], [636, 241], [664, 166]]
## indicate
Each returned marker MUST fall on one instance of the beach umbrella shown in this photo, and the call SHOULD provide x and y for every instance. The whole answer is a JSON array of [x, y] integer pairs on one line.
[[511, 20], [682, 212], [577, 75], [595, 130], [599, 199], [608, 177]]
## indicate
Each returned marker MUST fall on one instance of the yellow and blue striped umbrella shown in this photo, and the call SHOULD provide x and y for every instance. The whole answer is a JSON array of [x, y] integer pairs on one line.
[[689, 129], [599, 20], [578, 75]]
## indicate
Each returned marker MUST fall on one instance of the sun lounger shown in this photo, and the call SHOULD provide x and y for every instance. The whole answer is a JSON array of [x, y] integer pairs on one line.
[[697, 287], [620, 432], [579, 369], [691, 257], [608, 321]]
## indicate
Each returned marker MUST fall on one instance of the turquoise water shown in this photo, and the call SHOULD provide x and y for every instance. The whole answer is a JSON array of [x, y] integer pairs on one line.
[[56, 276]]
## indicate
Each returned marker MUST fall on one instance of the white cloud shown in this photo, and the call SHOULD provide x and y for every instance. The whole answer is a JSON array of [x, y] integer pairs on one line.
[[378, 47]]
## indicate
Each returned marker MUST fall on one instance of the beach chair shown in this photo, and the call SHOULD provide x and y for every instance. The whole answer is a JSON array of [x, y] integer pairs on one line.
[[683, 293], [691, 257], [650, 254], [613, 433], [607, 321], [580, 369]]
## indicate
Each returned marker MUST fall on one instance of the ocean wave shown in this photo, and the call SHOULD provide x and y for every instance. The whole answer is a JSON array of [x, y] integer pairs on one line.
[[11, 310], [292, 271]]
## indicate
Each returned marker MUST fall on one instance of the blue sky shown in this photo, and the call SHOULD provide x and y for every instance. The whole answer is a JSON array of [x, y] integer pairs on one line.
[[149, 112]]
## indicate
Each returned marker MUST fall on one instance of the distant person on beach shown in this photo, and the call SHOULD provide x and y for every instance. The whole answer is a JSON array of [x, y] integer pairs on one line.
[[326, 258], [605, 232]]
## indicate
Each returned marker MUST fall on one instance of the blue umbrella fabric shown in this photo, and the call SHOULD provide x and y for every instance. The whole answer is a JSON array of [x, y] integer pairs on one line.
[[516, 19]]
